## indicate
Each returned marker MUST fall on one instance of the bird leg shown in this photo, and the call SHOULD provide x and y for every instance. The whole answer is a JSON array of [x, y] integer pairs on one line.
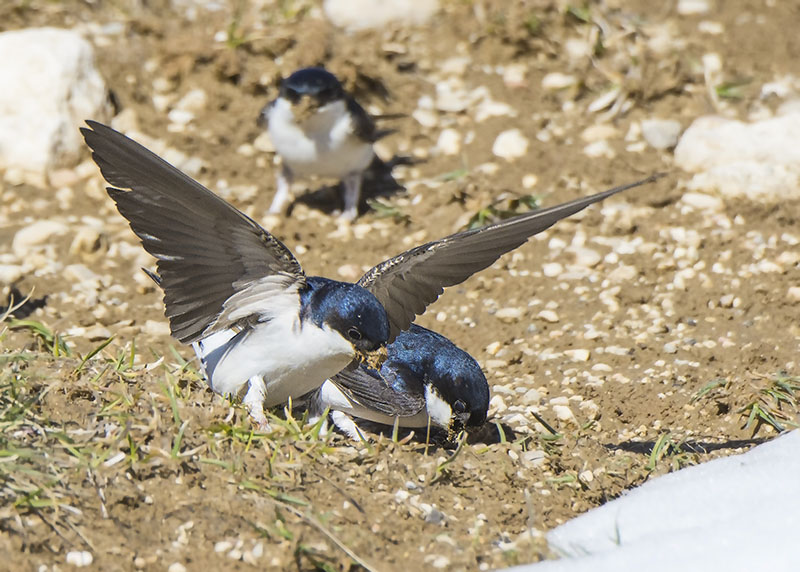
[[283, 184], [352, 195], [346, 425], [254, 403]]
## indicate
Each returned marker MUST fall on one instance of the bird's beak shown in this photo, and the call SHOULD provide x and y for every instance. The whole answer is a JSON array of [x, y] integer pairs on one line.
[[305, 108], [375, 358]]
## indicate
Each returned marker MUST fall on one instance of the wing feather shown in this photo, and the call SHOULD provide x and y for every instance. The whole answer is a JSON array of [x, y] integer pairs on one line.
[[409, 282], [209, 254]]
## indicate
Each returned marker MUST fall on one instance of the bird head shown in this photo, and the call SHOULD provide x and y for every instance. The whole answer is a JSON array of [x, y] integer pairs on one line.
[[354, 313], [310, 89]]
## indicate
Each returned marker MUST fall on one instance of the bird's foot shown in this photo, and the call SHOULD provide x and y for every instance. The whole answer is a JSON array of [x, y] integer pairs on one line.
[[346, 425]]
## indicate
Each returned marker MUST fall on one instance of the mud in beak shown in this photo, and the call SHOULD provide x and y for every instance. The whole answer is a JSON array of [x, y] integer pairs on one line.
[[305, 108], [375, 358]]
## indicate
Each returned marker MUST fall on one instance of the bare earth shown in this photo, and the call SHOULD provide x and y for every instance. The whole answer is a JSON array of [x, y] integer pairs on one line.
[[665, 326]]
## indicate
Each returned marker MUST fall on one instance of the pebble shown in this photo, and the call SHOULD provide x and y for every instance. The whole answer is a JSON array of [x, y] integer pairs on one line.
[[578, 355], [426, 117], [449, 142], [563, 413], [79, 558], [34, 235], [176, 567], [552, 269], [793, 294], [556, 81], [702, 201], [661, 133], [510, 145], [586, 257], [156, 328], [10, 273], [693, 7], [548, 316], [509, 315], [367, 14], [535, 458], [670, 348]]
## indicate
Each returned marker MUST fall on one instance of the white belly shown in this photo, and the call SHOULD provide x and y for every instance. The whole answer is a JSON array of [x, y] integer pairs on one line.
[[324, 145], [292, 360]]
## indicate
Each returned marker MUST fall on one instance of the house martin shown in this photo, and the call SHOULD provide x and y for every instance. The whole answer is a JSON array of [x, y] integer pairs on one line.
[[256, 319], [319, 129], [426, 379]]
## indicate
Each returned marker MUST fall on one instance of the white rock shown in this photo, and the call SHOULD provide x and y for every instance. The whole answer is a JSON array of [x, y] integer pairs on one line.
[[563, 413], [156, 328], [661, 133], [510, 145], [10, 273], [760, 160], [578, 355], [702, 201], [79, 558], [691, 7], [50, 86], [586, 257], [195, 100], [449, 142], [509, 315], [548, 316], [425, 117], [34, 235], [555, 81], [552, 269], [368, 14], [793, 294]]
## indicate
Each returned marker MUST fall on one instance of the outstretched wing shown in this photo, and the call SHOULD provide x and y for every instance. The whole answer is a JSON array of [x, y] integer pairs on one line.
[[409, 282], [217, 266]]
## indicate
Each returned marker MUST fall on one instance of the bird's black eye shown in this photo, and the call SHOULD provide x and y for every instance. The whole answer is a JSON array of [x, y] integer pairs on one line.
[[459, 407], [354, 334]]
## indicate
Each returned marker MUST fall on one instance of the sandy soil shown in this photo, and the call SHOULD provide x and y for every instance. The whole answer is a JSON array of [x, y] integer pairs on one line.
[[666, 332]]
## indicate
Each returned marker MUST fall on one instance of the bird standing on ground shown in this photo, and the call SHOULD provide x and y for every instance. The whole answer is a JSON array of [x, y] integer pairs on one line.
[[241, 296], [317, 128]]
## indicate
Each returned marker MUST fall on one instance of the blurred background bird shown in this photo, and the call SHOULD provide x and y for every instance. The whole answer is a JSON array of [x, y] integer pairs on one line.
[[318, 129]]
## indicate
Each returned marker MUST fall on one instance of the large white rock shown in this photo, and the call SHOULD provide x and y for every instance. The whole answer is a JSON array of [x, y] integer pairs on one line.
[[737, 513], [370, 14], [50, 85], [760, 160]]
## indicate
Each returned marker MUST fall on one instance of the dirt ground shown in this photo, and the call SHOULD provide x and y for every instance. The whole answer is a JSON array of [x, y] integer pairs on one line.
[[664, 329]]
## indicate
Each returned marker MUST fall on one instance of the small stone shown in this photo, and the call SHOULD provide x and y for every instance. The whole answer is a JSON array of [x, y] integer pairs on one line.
[[702, 201], [97, 333], [176, 567], [441, 562], [510, 145], [156, 328], [563, 413], [552, 269], [793, 294], [548, 316], [35, 235], [10, 273], [670, 348], [578, 355], [263, 143], [509, 315], [79, 558], [223, 546], [661, 133], [493, 348], [370, 15], [426, 117], [586, 257], [556, 81], [449, 142], [586, 476], [693, 7], [535, 458]]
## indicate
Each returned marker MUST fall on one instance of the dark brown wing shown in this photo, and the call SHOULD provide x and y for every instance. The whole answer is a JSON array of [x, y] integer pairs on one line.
[[399, 396], [217, 265], [409, 282]]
